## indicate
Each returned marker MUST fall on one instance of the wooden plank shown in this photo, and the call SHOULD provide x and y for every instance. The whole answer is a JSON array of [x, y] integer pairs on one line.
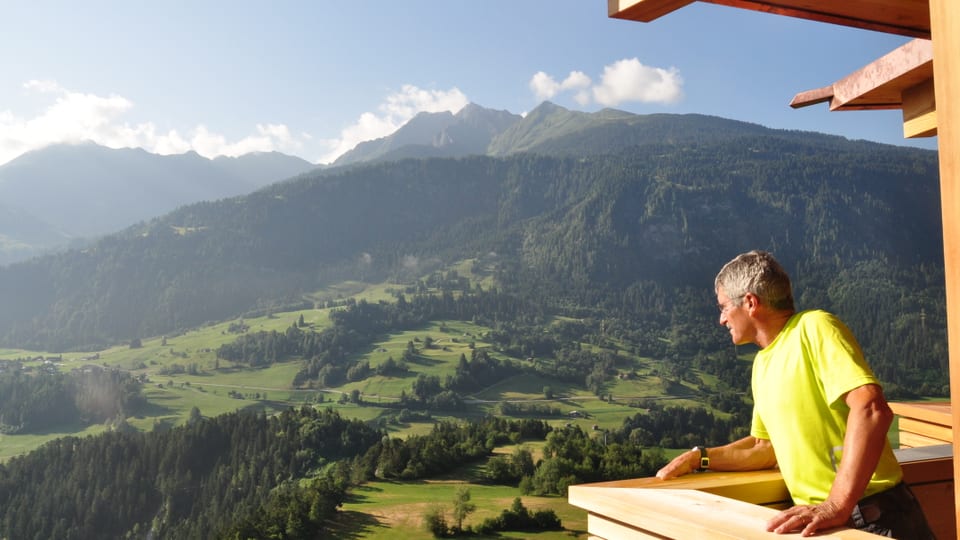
[[935, 412], [682, 514], [764, 488], [606, 529], [912, 440], [942, 433]]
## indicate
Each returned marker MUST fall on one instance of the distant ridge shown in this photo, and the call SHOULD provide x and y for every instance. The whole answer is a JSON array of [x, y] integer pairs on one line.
[[548, 129], [442, 134], [595, 204], [71, 191]]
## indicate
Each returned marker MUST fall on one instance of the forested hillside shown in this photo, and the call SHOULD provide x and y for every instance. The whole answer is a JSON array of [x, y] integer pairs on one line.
[[634, 236]]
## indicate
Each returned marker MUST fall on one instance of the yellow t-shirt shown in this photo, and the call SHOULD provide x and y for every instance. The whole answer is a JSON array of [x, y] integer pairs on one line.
[[799, 382]]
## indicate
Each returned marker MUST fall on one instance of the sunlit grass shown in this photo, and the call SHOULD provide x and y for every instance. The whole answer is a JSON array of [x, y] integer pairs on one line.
[[218, 386], [388, 510]]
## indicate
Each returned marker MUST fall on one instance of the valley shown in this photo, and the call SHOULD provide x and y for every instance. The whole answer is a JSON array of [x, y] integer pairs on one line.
[[348, 348]]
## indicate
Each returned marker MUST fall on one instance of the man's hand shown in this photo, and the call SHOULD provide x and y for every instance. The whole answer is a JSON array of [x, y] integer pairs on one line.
[[808, 519], [686, 462]]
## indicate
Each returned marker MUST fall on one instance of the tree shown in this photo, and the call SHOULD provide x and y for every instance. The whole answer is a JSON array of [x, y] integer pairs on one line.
[[195, 416], [436, 522], [462, 507]]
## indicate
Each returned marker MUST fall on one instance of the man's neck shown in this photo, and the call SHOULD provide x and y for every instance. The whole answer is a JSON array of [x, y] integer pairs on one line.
[[769, 328]]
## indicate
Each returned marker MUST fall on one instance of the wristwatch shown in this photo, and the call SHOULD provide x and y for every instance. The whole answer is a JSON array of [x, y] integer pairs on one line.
[[704, 458]]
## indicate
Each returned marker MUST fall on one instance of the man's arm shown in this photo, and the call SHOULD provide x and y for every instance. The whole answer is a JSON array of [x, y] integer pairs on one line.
[[867, 424], [747, 454]]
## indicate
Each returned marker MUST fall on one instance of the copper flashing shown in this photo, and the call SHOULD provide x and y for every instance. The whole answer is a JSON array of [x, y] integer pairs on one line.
[[878, 85]]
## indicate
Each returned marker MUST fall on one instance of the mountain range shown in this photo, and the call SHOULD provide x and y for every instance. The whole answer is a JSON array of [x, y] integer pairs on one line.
[[601, 213], [66, 193]]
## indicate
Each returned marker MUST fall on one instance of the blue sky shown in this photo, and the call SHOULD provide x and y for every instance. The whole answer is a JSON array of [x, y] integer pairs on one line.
[[313, 78]]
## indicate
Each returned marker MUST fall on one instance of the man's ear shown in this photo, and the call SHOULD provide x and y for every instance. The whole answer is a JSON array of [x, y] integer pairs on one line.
[[750, 301]]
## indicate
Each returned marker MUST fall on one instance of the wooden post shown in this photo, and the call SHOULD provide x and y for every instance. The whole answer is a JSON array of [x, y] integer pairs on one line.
[[944, 23]]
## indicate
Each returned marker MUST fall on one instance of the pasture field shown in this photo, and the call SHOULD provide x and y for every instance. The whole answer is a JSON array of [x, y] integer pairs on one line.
[[389, 510], [450, 340], [181, 371]]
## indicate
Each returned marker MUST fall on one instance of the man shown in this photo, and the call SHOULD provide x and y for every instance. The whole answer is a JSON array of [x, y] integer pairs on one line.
[[819, 413]]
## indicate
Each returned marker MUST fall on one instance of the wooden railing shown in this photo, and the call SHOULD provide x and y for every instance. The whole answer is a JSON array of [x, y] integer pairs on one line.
[[738, 505], [924, 423]]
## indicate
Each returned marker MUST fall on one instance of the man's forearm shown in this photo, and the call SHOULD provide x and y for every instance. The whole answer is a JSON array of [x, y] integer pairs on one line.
[[747, 454], [867, 424]]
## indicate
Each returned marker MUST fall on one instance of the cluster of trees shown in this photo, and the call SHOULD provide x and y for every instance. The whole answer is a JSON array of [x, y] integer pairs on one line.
[[240, 473], [30, 402], [683, 427], [516, 518], [571, 456], [295, 511], [447, 446], [237, 472]]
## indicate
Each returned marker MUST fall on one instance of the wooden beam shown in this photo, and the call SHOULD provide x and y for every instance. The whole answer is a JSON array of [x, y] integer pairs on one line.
[[920, 110], [643, 10], [881, 83], [944, 21], [904, 17]]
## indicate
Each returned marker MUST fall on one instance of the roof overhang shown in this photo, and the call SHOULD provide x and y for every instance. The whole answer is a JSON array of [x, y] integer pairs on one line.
[[901, 79], [904, 17]]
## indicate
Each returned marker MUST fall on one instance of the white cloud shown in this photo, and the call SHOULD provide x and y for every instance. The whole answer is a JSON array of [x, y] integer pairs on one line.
[[629, 80], [623, 81], [393, 113], [546, 87], [75, 116]]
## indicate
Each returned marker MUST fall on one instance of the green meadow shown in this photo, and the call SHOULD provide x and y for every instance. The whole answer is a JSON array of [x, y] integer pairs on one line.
[[182, 372], [388, 510]]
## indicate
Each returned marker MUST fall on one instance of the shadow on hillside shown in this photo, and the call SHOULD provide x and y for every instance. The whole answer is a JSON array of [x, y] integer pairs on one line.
[[352, 524], [153, 409], [360, 494], [421, 360], [270, 406]]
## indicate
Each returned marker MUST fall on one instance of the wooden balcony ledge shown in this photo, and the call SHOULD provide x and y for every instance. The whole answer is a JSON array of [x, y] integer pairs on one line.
[[738, 505]]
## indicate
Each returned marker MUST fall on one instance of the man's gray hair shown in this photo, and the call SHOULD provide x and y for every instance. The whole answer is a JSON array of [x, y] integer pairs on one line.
[[756, 272]]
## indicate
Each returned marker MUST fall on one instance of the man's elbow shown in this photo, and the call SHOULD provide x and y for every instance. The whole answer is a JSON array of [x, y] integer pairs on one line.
[[879, 413], [884, 416]]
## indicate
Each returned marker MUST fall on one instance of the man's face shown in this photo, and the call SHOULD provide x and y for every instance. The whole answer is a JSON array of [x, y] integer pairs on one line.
[[735, 318]]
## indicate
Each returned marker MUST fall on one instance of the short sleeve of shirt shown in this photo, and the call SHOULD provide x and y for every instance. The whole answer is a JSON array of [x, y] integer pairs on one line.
[[836, 355]]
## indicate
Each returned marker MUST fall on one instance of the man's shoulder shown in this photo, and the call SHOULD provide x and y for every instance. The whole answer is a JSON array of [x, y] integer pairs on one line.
[[815, 320], [816, 316], [821, 323]]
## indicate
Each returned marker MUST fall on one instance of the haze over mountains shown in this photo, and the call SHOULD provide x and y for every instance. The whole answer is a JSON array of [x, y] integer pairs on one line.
[[565, 203], [65, 193]]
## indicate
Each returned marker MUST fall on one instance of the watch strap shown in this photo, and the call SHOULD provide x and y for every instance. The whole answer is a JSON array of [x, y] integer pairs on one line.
[[704, 458]]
